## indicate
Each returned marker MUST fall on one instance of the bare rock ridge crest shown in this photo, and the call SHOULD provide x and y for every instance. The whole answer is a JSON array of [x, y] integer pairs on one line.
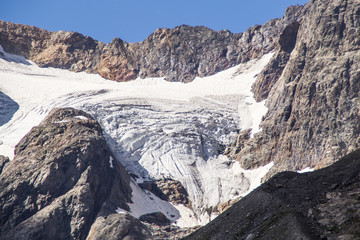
[[178, 54]]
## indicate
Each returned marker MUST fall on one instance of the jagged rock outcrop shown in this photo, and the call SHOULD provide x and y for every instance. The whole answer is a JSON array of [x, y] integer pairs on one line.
[[168, 190], [314, 105], [64, 184], [268, 76], [157, 218], [3, 161], [118, 226], [118, 61], [320, 205], [178, 54]]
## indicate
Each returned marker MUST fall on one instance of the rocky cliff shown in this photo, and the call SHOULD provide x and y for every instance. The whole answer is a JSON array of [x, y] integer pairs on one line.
[[314, 101], [178, 54], [63, 184], [320, 205]]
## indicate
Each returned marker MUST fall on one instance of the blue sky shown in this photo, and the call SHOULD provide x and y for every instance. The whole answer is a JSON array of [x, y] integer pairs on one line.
[[134, 20]]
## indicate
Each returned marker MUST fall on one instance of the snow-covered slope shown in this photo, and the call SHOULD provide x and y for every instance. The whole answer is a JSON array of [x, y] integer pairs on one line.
[[157, 129]]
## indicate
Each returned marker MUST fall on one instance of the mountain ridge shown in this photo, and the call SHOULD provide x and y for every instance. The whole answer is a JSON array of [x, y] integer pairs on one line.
[[178, 54]]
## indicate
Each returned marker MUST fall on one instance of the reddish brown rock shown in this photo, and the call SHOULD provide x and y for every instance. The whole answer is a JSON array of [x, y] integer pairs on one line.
[[178, 54]]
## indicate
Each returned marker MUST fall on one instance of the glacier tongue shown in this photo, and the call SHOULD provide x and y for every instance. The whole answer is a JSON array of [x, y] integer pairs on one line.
[[157, 129], [181, 140]]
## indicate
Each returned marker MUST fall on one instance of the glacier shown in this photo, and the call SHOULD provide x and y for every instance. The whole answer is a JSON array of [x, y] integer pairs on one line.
[[155, 128]]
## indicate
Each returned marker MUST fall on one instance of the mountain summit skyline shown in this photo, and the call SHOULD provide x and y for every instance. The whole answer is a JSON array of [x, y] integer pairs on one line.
[[133, 21]]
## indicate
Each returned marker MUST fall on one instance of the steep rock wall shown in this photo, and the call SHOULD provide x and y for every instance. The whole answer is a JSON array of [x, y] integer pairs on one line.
[[61, 184], [314, 105]]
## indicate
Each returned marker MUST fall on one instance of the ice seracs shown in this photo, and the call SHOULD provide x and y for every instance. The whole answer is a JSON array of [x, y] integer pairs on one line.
[[157, 129]]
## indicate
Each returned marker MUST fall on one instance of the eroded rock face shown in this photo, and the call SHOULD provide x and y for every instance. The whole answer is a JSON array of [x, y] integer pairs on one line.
[[272, 72], [320, 205], [3, 161], [157, 218], [178, 54], [61, 182], [168, 190], [314, 105]]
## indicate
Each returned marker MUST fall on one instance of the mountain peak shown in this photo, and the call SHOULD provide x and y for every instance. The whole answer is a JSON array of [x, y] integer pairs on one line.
[[178, 54]]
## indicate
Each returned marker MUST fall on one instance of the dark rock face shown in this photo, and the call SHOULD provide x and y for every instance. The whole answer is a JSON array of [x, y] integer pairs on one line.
[[3, 161], [61, 182], [320, 205], [314, 104], [168, 190], [179, 54], [157, 218], [272, 72]]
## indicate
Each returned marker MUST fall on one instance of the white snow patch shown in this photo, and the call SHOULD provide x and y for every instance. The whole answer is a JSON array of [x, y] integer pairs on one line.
[[111, 162], [305, 170], [189, 219], [121, 211], [62, 121], [81, 117], [12, 58], [145, 202], [255, 176]]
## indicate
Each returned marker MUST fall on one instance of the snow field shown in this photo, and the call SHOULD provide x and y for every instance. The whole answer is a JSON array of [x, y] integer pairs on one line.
[[156, 128]]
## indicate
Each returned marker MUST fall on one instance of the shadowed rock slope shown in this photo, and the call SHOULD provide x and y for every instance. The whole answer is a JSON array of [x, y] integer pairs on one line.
[[179, 54], [320, 205], [61, 184]]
